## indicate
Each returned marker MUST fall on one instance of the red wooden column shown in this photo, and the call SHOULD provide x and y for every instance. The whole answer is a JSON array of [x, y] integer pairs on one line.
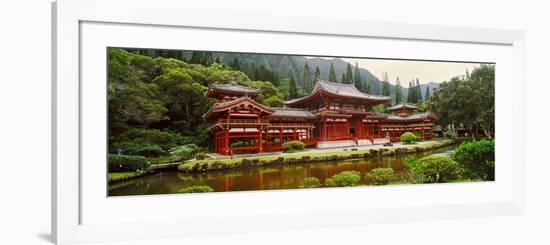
[[422, 132], [431, 133], [226, 138], [260, 139], [280, 136]]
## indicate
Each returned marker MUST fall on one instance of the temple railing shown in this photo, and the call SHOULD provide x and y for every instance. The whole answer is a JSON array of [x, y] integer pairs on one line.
[[241, 122], [291, 125]]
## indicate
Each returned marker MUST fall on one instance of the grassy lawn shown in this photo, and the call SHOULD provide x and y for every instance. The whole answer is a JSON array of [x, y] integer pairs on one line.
[[339, 154], [123, 176]]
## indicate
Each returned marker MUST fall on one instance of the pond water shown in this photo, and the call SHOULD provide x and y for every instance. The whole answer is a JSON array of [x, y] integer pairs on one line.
[[271, 177]]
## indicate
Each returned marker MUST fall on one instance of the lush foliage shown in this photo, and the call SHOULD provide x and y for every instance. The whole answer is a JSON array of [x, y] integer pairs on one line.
[[380, 176], [439, 169], [345, 178], [311, 182], [124, 163], [450, 134], [185, 151], [468, 100], [293, 146], [434, 169], [200, 155], [408, 138], [196, 189], [478, 158], [237, 162]]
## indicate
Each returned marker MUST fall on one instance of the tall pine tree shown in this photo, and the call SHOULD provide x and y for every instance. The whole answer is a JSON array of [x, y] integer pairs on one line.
[[398, 96], [307, 78], [427, 94], [418, 92], [292, 88], [343, 79], [411, 94], [332, 74], [317, 73], [357, 78], [349, 75]]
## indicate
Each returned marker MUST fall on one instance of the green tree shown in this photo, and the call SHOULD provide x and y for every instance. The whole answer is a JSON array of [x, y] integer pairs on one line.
[[332, 74], [349, 75], [427, 94], [357, 78], [293, 89], [306, 78], [467, 101], [317, 73], [397, 88]]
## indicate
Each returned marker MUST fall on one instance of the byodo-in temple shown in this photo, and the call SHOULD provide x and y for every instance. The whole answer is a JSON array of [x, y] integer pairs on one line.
[[332, 115]]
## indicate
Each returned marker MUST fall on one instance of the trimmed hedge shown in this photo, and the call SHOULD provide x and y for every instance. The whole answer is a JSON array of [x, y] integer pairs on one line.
[[293, 146], [380, 176], [440, 169], [408, 137], [346, 178], [310, 182], [196, 189], [126, 163]]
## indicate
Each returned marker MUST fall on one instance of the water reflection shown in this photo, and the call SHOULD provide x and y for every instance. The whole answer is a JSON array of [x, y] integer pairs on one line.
[[258, 178]]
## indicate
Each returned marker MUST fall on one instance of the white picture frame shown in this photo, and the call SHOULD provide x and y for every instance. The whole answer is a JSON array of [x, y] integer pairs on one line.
[[68, 17]]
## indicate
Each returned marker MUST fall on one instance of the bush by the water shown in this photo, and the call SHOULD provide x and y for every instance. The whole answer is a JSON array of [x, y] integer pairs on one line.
[[440, 169], [185, 151], [293, 146], [196, 189], [125, 163], [346, 178], [380, 176], [408, 137], [477, 158], [311, 182], [200, 156]]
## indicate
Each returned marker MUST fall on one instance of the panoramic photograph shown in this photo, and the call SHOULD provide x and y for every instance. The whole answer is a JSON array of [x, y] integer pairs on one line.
[[189, 121]]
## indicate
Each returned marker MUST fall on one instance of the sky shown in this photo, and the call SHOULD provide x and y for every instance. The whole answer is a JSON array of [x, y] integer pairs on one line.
[[407, 70]]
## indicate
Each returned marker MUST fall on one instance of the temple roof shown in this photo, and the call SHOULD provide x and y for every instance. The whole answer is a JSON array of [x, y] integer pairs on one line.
[[291, 113], [231, 88], [342, 90], [220, 107], [402, 106], [413, 117]]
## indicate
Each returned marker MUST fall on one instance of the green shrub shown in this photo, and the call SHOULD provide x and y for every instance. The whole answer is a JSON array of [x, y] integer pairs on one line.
[[380, 176], [477, 158], [450, 134], [293, 146], [440, 169], [200, 156], [196, 189], [184, 151], [125, 163], [416, 170], [310, 182], [345, 178], [146, 149], [408, 138]]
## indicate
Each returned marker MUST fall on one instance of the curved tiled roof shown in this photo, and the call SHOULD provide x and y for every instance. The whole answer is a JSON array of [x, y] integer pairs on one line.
[[291, 113], [231, 88], [340, 89], [402, 106], [413, 117], [221, 106]]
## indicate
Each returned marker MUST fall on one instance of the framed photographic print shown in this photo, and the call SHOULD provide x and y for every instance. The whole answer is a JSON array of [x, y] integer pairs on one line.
[[169, 125]]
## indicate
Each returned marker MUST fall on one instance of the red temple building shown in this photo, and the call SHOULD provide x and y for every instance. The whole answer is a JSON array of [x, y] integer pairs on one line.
[[332, 115]]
